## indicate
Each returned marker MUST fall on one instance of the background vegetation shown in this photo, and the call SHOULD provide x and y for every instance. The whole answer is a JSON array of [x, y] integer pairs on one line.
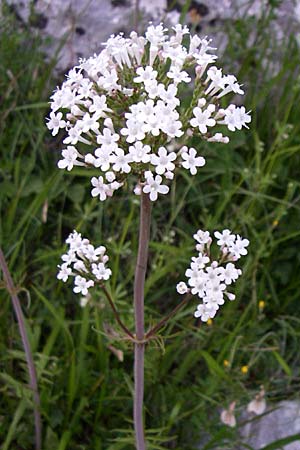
[[250, 186]]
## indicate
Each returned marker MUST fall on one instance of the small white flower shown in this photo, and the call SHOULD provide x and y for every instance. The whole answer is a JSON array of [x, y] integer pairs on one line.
[[154, 187], [200, 261], [163, 161], [110, 176], [169, 94], [214, 290], [69, 98], [101, 272], [74, 134], [217, 80], [204, 312], [92, 253], [191, 161], [113, 187], [108, 138], [100, 188], [230, 273], [195, 273], [172, 128], [64, 272], [109, 80], [145, 74], [121, 161], [75, 241], [198, 286], [70, 155], [238, 248], [151, 87], [169, 175], [90, 123], [133, 131], [203, 237], [231, 85], [55, 122], [230, 296], [178, 76], [213, 274], [82, 285], [182, 288], [85, 88], [224, 238], [140, 152], [99, 106], [90, 159], [202, 119], [180, 31], [80, 267], [69, 257], [236, 118], [103, 159]]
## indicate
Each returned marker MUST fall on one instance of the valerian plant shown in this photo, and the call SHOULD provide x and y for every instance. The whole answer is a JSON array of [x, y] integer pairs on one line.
[[123, 114]]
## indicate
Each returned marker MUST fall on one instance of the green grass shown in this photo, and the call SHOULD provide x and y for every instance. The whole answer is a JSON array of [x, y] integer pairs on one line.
[[250, 186]]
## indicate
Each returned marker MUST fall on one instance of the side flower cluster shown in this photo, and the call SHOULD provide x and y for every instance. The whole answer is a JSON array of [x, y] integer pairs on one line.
[[210, 278], [122, 110], [85, 263]]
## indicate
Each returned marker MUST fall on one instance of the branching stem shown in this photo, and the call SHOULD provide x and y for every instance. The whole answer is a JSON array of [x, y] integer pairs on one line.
[[115, 311], [165, 320]]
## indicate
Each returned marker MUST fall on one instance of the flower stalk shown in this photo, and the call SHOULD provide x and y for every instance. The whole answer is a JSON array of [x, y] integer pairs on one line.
[[166, 319], [139, 347], [116, 314]]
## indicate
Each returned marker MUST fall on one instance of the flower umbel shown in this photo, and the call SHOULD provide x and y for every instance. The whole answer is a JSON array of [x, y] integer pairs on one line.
[[122, 110], [85, 263], [209, 278]]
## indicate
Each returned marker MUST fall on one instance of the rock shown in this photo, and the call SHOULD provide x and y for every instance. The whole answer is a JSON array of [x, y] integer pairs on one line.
[[86, 24], [282, 421]]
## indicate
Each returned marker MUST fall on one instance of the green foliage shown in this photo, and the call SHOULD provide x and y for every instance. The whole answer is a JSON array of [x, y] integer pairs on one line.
[[250, 186]]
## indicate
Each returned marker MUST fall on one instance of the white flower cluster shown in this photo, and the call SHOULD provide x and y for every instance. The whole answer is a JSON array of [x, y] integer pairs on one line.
[[122, 109], [84, 262], [209, 278]]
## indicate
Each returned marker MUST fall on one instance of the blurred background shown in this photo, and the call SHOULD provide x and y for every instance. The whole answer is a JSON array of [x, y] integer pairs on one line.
[[250, 186]]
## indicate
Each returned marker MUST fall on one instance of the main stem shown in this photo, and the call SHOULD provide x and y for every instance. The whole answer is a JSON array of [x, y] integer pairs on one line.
[[139, 347]]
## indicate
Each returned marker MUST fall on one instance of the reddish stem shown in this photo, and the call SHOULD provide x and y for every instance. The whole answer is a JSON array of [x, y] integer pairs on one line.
[[166, 319], [29, 359], [139, 348], [115, 311]]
